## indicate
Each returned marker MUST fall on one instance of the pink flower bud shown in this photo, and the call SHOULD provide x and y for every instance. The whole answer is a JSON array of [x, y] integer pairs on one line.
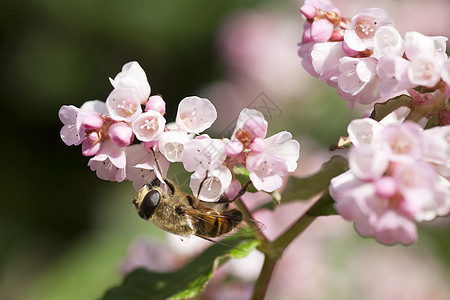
[[93, 137], [257, 145], [90, 149], [337, 35], [256, 127], [234, 148], [306, 37], [156, 103], [308, 11], [93, 121], [121, 134], [321, 30], [386, 187]]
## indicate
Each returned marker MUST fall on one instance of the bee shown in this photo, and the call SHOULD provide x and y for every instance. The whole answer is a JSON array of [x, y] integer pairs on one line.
[[183, 214]]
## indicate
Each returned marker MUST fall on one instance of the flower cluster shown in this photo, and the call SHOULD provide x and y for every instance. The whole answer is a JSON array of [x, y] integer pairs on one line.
[[366, 58], [107, 131], [398, 174]]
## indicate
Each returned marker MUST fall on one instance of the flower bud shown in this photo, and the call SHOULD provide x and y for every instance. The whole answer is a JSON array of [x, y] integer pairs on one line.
[[308, 11], [93, 121], [385, 187], [90, 149], [321, 30], [256, 127], [156, 103], [257, 145], [234, 148], [337, 35], [121, 134]]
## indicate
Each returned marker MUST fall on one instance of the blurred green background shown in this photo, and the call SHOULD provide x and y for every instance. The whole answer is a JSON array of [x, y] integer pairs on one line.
[[63, 231]]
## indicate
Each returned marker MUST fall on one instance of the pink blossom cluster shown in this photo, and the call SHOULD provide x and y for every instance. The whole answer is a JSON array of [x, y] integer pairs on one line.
[[365, 57], [107, 131], [399, 174]]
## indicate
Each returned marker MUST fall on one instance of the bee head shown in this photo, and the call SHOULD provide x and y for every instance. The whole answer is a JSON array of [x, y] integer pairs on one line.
[[148, 200]]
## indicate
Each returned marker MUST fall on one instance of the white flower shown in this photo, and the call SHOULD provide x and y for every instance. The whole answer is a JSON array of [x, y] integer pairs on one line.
[[213, 186], [171, 144], [133, 76], [149, 126], [195, 114]]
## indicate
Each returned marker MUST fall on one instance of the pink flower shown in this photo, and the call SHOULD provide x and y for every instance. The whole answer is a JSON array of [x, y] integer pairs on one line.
[[203, 154], [393, 75], [245, 115], [358, 80], [266, 171], [363, 27], [390, 184], [77, 120], [387, 41], [256, 127], [427, 55], [123, 104], [149, 126], [402, 141], [195, 114], [141, 167], [133, 77], [436, 148], [71, 133], [279, 157], [326, 60], [110, 162], [213, 186], [171, 144]]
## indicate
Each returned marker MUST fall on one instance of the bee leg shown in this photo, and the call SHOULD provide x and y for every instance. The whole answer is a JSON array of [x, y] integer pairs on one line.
[[225, 199]]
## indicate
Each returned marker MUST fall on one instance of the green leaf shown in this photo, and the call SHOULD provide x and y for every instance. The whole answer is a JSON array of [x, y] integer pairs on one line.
[[305, 188], [432, 122], [381, 110], [243, 175], [323, 207], [186, 282]]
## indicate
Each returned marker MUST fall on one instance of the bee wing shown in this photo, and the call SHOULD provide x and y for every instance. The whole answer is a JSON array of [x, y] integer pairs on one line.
[[211, 224]]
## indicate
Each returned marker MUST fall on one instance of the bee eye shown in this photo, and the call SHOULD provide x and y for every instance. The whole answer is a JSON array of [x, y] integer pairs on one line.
[[149, 203]]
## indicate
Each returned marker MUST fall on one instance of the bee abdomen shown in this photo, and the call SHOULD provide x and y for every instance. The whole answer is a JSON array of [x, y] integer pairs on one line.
[[214, 226]]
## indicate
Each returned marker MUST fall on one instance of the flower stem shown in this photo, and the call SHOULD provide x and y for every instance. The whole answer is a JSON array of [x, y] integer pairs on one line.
[[262, 283], [273, 251]]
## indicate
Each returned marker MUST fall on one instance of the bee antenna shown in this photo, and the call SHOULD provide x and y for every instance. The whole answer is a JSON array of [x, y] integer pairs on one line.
[[157, 163]]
